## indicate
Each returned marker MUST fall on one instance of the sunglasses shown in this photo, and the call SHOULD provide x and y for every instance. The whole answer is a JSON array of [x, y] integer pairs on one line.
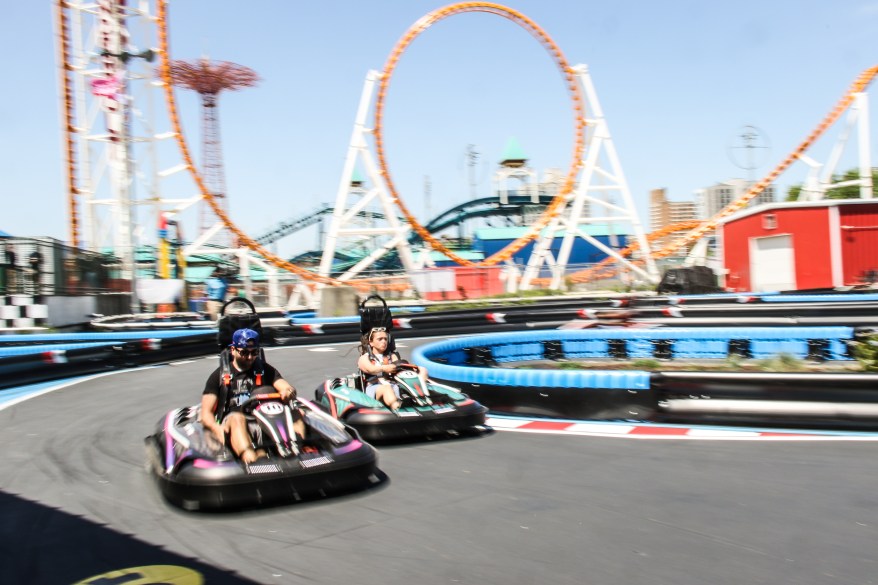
[[248, 352]]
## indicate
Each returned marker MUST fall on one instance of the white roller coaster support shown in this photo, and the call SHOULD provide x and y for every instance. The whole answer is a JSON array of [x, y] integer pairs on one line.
[[343, 222], [595, 179], [820, 176], [862, 104]]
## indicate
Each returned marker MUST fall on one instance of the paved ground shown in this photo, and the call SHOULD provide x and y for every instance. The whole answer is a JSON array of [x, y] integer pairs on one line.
[[505, 507]]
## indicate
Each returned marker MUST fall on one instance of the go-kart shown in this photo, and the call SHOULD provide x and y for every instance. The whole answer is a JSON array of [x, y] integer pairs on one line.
[[426, 409], [194, 471]]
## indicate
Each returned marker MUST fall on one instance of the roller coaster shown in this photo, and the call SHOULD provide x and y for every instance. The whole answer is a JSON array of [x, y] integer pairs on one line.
[[514, 205], [511, 207], [114, 49]]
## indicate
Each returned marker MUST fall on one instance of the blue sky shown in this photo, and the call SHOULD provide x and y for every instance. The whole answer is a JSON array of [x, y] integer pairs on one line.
[[677, 81]]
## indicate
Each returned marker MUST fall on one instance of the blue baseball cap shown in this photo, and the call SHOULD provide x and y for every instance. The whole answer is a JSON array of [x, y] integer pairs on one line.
[[245, 338]]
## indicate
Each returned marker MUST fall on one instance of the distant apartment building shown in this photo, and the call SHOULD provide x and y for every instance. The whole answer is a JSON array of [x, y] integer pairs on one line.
[[663, 213], [713, 199]]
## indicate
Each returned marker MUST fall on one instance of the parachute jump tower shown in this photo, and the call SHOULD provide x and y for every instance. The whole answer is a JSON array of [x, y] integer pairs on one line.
[[209, 79]]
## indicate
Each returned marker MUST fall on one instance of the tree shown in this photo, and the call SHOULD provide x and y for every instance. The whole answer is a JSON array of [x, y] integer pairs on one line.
[[793, 192], [846, 192]]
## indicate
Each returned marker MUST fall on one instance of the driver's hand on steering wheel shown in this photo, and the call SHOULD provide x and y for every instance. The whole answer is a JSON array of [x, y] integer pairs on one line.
[[288, 395]]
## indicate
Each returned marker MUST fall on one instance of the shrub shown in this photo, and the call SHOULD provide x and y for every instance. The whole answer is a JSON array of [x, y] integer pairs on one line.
[[865, 349]]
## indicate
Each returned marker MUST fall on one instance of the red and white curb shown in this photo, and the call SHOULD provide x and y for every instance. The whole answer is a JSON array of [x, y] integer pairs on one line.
[[644, 431]]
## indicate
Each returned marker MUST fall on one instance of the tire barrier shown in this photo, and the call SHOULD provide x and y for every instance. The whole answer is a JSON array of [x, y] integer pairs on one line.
[[625, 312], [131, 348], [792, 399], [162, 321], [28, 359], [38, 339]]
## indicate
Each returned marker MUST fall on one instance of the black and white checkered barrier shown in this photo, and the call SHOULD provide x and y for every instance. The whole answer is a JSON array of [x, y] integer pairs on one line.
[[22, 312]]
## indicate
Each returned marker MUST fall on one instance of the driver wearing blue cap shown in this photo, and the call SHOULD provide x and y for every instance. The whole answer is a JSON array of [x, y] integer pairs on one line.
[[246, 371]]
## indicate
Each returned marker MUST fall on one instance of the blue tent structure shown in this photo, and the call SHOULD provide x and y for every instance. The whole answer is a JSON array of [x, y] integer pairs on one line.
[[5, 234]]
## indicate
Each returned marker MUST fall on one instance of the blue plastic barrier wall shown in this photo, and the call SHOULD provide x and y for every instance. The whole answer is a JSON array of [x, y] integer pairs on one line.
[[608, 394], [823, 343]]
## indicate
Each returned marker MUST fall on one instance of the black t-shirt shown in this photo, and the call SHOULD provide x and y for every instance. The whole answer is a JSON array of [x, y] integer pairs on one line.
[[241, 386]]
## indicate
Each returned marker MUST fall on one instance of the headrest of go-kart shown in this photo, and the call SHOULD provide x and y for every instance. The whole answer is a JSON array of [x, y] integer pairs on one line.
[[375, 315], [231, 321]]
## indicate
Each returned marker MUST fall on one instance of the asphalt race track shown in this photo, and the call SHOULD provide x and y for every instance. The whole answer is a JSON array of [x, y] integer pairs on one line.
[[78, 506]]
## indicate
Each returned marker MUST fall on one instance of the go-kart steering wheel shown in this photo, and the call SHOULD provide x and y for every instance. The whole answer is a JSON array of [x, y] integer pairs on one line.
[[406, 366], [257, 399]]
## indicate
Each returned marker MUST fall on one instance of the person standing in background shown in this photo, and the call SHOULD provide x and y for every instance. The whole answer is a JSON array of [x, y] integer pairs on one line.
[[8, 282], [216, 288], [35, 264]]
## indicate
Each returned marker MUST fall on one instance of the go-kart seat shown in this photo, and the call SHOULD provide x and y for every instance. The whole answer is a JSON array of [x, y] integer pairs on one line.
[[229, 322]]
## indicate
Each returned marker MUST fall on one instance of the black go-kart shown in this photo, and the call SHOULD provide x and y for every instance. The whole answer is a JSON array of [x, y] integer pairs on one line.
[[196, 472]]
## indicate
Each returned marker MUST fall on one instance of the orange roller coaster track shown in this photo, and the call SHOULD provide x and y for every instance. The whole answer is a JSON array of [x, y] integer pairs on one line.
[[558, 202], [603, 268], [555, 207], [552, 210]]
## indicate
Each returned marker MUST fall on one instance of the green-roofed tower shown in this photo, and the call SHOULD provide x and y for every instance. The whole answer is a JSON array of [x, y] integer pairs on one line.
[[513, 155], [356, 178]]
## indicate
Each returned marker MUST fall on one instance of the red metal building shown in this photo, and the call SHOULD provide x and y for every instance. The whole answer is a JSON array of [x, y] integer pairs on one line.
[[801, 245]]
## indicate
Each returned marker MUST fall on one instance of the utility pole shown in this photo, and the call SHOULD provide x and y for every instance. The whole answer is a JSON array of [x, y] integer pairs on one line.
[[472, 157], [428, 192]]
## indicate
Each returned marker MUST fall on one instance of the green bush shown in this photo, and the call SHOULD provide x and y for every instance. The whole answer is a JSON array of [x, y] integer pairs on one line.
[[782, 362], [865, 349]]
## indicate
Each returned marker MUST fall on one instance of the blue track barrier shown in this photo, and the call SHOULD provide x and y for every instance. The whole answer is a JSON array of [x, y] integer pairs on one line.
[[826, 343], [475, 365], [87, 336], [27, 359], [37, 349]]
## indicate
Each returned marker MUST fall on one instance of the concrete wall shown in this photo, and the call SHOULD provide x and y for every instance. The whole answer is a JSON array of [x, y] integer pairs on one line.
[[338, 301], [65, 311]]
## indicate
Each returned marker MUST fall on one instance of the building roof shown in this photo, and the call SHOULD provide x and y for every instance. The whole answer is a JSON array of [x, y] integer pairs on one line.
[[513, 233], [513, 151], [473, 255], [748, 211]]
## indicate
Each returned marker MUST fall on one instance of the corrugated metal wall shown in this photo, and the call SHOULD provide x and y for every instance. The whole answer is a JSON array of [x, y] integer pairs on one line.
[[859, 243]]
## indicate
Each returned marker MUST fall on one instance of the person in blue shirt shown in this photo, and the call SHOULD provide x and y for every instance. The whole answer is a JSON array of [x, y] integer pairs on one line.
[[215, 288]]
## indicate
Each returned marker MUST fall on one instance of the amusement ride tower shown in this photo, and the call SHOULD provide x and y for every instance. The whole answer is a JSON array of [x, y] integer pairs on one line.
[[112, 139], [120, 158], [209, 78]]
